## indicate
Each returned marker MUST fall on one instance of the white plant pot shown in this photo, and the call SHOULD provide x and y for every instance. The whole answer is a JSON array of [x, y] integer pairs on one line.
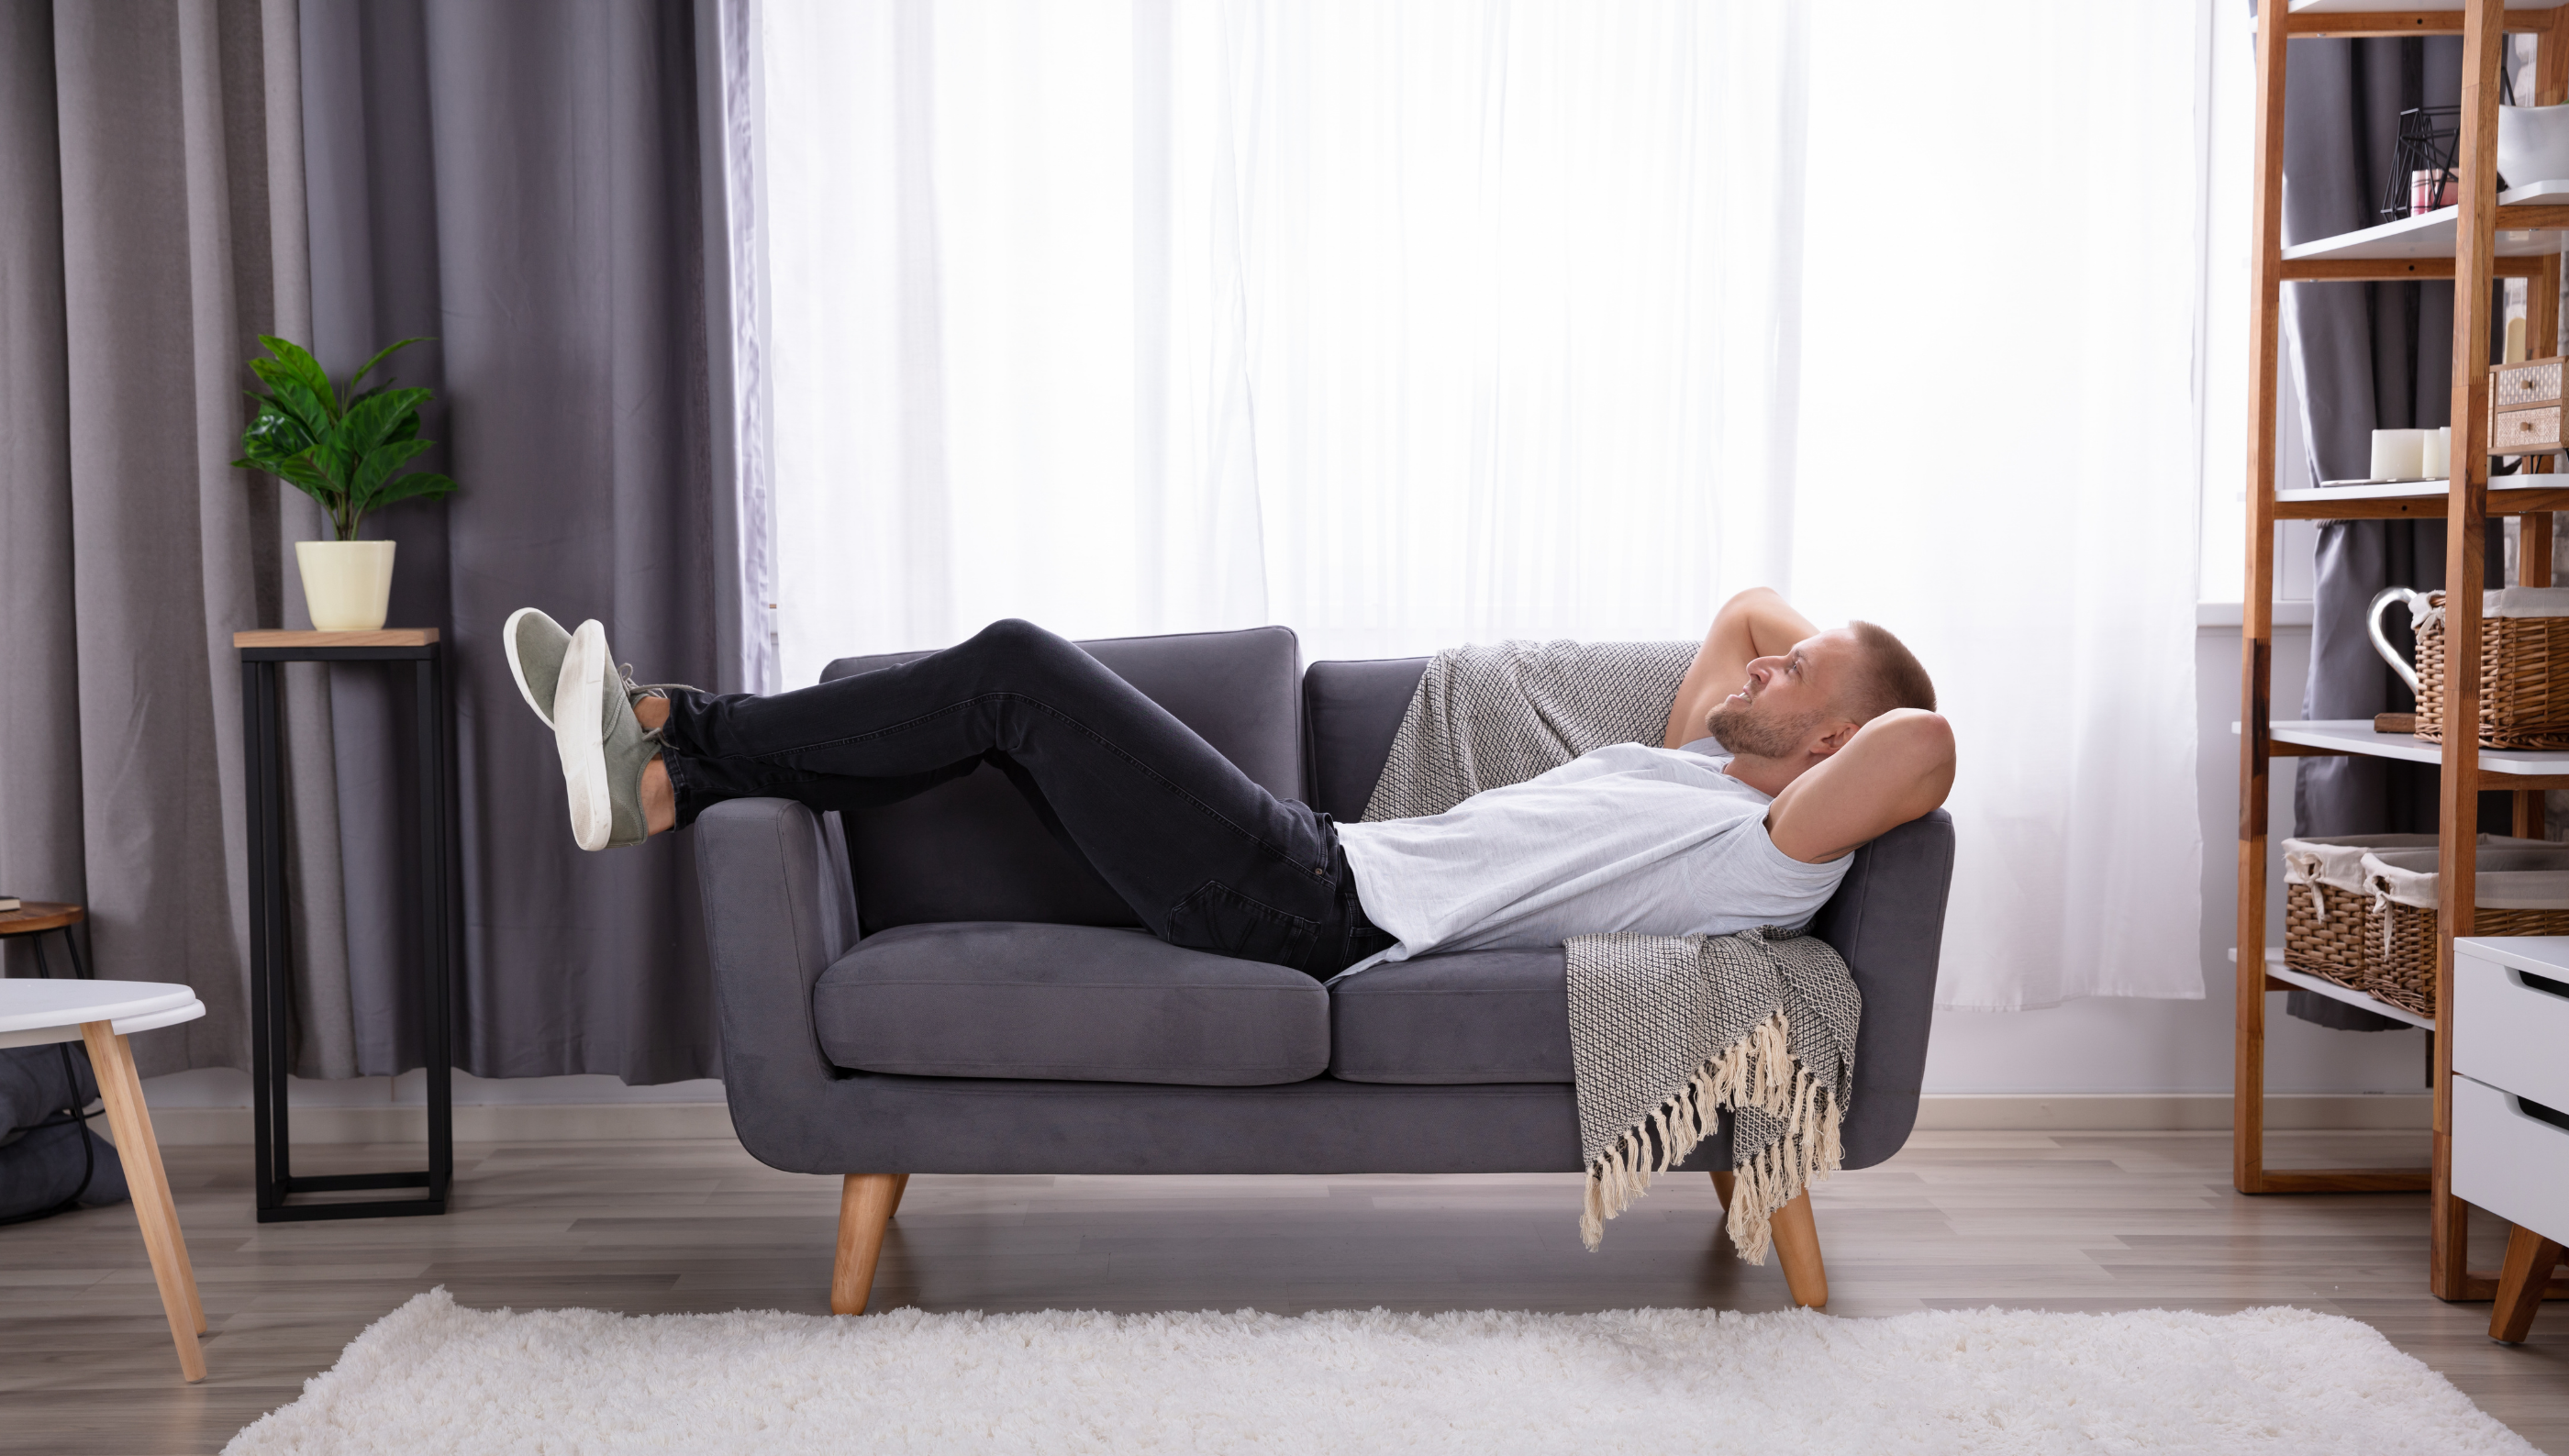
[[348, 585]]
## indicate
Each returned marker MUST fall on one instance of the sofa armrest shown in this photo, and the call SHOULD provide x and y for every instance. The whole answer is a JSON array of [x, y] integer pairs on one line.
[[1888, 920], [779, 911]]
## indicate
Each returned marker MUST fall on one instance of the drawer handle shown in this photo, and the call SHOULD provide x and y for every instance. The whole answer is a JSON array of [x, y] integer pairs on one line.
[[2540, 1113], [2542, 984]]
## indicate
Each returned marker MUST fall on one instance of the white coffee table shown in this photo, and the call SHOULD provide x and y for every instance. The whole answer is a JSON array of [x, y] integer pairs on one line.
[[101, 1014]]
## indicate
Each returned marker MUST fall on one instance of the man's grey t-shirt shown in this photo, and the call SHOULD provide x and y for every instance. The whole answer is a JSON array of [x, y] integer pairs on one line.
[[1657, 840]]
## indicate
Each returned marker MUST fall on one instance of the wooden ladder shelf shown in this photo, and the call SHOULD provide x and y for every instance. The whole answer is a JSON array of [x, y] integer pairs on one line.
[[2465, 503]]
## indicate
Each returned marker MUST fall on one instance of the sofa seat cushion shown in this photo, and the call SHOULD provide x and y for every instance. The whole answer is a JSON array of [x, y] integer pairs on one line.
[[1472, 1016], [1066, 1003]]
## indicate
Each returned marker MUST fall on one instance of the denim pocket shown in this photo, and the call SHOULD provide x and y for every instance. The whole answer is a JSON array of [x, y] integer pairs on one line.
[[1221, 920]]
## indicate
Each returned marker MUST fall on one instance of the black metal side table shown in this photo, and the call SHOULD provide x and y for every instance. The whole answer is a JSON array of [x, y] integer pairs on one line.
[[270, 961]]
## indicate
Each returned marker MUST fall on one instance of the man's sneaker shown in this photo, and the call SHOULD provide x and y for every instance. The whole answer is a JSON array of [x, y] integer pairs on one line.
[[603, 746], [535, 643]]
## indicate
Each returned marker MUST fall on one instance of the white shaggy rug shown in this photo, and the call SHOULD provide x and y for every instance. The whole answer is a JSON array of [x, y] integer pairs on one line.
[[433, 1376]]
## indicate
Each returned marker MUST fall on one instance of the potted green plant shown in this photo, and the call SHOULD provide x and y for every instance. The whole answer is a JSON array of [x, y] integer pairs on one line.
[[342, 449]]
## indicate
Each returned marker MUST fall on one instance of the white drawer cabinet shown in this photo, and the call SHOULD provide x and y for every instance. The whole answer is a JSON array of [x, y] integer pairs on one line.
[[2510, 1029], [2509, 1159], [2511, 1020]]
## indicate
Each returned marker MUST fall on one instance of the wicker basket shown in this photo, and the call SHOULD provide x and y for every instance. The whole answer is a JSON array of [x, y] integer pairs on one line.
[[2524, 679], [2520, 892], [2328, 930]]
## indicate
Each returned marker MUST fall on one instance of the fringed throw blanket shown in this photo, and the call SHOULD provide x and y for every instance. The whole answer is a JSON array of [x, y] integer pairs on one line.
[[1666, 1031]]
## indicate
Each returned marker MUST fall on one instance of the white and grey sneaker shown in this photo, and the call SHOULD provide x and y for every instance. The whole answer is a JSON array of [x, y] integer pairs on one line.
[[603, 746], [535, 643]]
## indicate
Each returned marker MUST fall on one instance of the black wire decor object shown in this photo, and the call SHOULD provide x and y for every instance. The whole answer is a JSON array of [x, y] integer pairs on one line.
[[2425, 160]]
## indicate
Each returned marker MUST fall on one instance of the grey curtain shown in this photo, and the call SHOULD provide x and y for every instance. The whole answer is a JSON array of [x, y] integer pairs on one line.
[[152, 227], [523, 183], [2371, 356]]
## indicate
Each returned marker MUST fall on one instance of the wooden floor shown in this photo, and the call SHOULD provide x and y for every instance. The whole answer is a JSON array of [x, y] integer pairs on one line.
[[2100, 1221]]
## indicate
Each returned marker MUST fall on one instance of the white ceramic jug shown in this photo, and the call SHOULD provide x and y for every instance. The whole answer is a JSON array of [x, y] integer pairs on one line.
[[2417, 602]]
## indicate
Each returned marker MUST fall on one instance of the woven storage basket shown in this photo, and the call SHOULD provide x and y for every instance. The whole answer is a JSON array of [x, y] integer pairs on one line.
[[2520, 892], [2524, 675], [2328, 931]]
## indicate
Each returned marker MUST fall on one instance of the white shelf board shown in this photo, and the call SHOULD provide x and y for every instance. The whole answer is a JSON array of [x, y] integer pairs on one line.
[[2275, 968], [2415, 491], [2431, 235], [2356, 735]]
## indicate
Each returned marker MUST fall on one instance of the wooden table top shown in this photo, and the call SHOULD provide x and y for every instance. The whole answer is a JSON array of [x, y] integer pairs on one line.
[[382, 637], [38, 914]]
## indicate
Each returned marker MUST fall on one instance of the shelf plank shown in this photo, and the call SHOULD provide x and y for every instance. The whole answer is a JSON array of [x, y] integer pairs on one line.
[[2400, 270], [2424, 500], [2355, 736], [2527, 216], [2343, 18], [381, 637], [2275, 968]]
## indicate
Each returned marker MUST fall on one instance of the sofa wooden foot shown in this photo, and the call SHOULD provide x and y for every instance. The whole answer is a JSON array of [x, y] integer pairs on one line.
[[899, 1186], [1797, 1245], [865, 1202]]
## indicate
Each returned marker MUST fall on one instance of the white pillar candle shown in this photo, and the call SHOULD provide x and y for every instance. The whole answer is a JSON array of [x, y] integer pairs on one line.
[[2437, 461], [2398, 454]]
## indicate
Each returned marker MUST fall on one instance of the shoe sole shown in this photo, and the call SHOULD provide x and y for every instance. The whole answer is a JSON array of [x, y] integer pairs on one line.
[[517, 669], [579, 734]]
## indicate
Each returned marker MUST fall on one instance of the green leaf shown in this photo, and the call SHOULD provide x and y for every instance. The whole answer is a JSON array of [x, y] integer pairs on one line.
[[275, 433], [372, 423], [383, 354], [379, 465], [418, 482], [296, 363], [293, 397]]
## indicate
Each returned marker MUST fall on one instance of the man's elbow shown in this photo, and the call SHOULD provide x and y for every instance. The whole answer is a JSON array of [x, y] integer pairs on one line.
[[1922, 743]]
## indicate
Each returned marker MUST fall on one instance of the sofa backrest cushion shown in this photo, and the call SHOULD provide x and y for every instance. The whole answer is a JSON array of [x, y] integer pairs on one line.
[[973, 850], [1355, 710]]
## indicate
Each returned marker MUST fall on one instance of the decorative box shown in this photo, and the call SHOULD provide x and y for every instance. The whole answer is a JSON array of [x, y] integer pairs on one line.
[[2524, 408]]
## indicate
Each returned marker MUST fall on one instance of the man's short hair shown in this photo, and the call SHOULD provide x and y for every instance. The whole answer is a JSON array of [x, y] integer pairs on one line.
[[1889, 676]]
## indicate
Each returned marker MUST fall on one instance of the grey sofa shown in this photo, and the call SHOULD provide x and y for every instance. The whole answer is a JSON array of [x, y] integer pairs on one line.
[[938, 985]]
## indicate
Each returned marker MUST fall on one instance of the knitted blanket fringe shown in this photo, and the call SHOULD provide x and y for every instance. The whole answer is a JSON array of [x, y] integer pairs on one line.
[[1759, 1071], [1656, 1021]]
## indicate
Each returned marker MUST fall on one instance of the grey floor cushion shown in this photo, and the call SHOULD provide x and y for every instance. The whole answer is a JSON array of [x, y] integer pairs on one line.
[[1472, 1016], [1077, 1003]]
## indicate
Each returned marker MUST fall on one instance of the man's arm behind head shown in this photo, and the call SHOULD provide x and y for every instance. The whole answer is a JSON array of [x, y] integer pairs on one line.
[[1898, 766]]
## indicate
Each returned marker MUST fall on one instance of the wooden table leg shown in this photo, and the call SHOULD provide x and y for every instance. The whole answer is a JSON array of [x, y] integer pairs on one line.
[[140, 1154], [132, 1082], [2529, 1257]]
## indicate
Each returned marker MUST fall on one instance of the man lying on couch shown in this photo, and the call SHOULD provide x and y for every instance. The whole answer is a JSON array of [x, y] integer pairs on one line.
[[1832, 740]]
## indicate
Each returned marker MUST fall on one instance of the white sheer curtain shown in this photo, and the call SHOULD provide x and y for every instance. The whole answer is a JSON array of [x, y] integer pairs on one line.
[[1412, 324]]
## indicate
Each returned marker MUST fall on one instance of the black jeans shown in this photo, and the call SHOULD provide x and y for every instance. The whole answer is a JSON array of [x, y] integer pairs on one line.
[[1206, 858]]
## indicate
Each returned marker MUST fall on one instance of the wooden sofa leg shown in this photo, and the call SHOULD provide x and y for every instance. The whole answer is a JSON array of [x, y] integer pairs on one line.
[[864, 1206], [899, 1186], [1797, 1245]]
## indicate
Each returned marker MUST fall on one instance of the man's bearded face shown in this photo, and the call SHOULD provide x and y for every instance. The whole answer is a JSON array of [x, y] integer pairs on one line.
[[1752, 728]]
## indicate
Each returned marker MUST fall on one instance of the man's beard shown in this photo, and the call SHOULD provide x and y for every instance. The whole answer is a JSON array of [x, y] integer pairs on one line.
[[1744, 731]]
